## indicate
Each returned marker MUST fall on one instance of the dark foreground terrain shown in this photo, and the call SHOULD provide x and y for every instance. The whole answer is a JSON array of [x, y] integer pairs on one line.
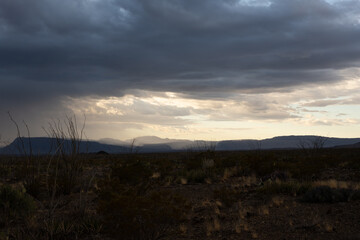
[[287, 194]]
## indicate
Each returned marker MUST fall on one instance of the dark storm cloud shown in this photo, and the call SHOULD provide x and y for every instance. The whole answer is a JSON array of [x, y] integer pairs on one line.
[[51, 49]]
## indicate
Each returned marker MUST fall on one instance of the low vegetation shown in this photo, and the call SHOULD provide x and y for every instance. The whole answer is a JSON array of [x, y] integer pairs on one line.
[[198, 194], [15, 205], [293, 188]]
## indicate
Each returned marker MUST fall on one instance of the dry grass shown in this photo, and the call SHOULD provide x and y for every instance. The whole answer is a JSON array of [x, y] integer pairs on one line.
[[333, 183]]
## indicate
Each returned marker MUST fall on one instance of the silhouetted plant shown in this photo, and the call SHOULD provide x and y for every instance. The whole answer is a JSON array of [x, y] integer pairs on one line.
[[68, 141], [195, 175], [204, 146], [30, 171], [14, 205], [133, 148], [312, 146]]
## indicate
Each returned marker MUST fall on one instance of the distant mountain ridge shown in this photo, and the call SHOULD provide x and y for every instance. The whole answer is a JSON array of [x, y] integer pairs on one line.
[[175, 144], [44, 145], [285, 142]]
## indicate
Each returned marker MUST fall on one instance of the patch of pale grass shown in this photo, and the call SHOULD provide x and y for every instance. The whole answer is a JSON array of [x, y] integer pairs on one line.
[[333, 183], [249, 181], [242, 211], [208, 163], [264, 210], [291, 223], [183, 229], [230, 172], [156, 175], [208, 180], [238, 228], [217, 210], [328, 227], [168, 181], [183, 181], [277, 201], [246, 227], [217, 225], [209, 228], [218, 203], [212, 226], [206, 203]]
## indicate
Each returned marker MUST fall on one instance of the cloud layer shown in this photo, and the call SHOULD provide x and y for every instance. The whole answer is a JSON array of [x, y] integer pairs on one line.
[[205, 50]]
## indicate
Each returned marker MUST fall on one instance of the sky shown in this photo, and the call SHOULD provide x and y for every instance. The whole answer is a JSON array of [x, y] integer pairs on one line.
[[185, 69]]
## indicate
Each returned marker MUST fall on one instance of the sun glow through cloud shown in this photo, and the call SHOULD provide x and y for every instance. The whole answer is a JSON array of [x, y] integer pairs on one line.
[[169, 114]]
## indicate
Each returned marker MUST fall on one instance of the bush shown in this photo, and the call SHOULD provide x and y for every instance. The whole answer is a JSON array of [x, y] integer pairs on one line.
[[132, 172], [193, 163], [129, 215], [196, 176], [63, 228], [261, 164], [325, 194], [291, 188], [227, 162], [14, 205]]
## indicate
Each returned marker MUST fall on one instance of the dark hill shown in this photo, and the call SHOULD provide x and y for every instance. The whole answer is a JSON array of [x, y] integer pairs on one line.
[[44, 145]]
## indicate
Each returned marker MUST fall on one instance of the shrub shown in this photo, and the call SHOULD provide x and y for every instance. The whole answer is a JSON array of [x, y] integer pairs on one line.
[[193, 163], [227, 162], [59, 228], [14, 205], [196, 176], [325, 194], [129, 215], [232, 172], [63, 228], [291, 188], [261, 164], [132, 172]]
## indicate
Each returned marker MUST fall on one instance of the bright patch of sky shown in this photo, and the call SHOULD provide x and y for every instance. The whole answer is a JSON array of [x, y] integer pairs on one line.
[[266, 3], [263, 3], [326, 111]]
